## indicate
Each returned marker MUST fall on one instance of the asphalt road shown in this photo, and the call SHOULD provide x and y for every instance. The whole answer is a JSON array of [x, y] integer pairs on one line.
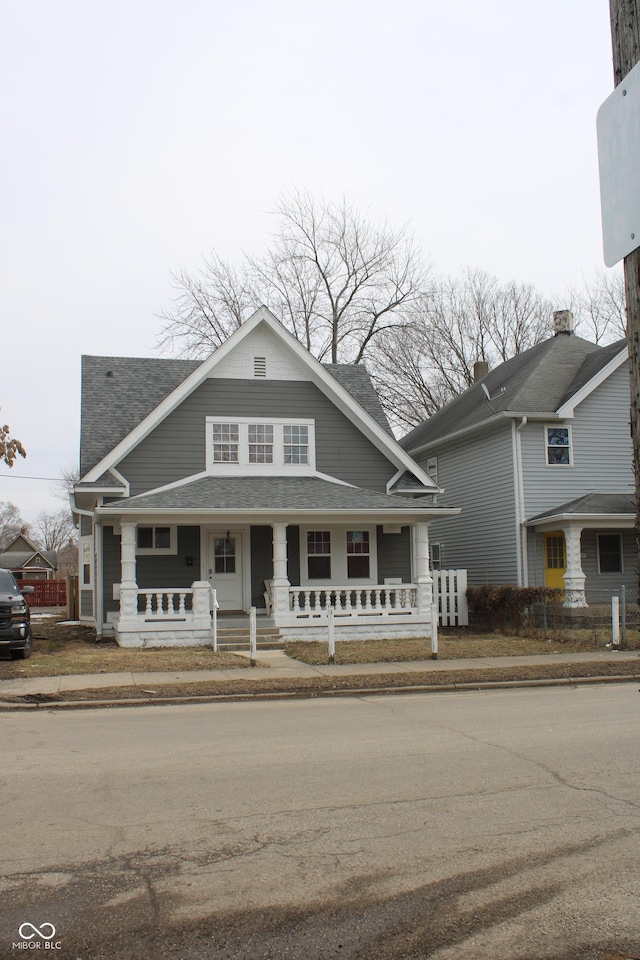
[[459, 826]]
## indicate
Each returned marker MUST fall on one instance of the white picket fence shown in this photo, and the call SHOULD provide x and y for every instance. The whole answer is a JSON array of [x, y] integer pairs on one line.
[[450, 589]]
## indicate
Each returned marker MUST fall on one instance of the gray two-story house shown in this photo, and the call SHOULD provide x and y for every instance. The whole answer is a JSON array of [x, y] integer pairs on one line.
[[258, 473], [538, 455]]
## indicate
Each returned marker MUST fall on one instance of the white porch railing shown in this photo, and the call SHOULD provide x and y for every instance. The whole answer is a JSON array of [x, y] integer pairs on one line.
[[360, 603], [170, 616], [166, 604]]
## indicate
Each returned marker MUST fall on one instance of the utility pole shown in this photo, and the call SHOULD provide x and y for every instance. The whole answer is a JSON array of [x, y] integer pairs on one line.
[[625, 40]]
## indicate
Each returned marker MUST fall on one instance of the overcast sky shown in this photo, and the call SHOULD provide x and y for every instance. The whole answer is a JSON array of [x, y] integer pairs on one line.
[[139, 135]]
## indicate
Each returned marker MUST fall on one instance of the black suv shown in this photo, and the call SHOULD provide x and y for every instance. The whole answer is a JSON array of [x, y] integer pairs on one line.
[[15, 620]]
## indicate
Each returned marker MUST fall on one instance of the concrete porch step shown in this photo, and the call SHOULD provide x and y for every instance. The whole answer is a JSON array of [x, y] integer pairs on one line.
[[237, 637]]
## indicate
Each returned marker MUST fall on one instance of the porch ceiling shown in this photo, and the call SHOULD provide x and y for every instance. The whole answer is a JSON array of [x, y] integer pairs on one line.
[[270, 496]]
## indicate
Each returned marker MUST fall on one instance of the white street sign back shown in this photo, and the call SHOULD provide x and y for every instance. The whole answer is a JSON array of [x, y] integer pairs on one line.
[[618, 126]]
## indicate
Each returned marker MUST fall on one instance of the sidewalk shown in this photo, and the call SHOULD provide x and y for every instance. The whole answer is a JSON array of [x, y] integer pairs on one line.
[[276, 665]]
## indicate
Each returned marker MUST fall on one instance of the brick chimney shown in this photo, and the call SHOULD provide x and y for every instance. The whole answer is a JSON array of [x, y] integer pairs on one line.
[[562, 322], [480, 370]]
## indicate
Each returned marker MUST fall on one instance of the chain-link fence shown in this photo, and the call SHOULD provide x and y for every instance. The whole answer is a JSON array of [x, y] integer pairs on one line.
[[598, 614]]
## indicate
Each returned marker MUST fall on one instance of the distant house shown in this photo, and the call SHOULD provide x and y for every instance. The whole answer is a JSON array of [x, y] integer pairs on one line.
[[538, 455], [260, 473], [27, 561]]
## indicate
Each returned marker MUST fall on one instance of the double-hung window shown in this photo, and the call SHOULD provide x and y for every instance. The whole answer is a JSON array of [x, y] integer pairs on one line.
[[319, 554], [261, 446], [160, 540], [558, 441], [226, 438], [358, 554], [609, 553]]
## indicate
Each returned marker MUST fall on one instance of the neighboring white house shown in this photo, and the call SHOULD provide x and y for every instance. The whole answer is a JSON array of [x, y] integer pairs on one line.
[[538, 456], [259, 472]]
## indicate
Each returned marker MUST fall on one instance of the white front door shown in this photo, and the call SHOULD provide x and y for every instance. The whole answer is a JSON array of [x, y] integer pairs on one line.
[[224, 556]]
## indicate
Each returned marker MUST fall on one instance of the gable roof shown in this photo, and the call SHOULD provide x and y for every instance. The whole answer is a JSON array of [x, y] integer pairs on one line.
[[539, 381], [124, 399]]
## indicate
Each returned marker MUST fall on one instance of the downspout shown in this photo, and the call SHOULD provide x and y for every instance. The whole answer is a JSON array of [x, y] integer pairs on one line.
[[522, 570]]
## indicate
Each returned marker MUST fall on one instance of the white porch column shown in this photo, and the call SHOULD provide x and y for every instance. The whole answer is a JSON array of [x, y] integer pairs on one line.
[[422, 572], [280, 583], [574, 578], [128, 583]]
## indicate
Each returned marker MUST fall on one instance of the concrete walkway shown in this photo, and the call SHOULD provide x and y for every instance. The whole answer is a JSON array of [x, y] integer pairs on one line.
[[275, 664]]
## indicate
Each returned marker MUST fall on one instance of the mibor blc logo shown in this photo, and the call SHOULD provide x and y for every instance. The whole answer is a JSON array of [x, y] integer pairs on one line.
[[36, 938]]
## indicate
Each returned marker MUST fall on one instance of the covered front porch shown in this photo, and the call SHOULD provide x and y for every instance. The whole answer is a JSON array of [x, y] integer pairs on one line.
[[585, 547], [375, 577]]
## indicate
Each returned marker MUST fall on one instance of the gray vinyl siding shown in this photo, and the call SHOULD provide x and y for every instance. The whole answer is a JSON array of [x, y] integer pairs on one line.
[[394, 554], [160, 571], [176, 448], [477, 475], [601, 450], [86, 603]]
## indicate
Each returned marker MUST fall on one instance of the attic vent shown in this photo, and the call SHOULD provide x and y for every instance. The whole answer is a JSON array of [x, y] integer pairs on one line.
[[259, 366]]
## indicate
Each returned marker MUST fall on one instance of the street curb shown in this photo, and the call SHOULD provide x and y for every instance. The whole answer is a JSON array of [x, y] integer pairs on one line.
[[467, 686]]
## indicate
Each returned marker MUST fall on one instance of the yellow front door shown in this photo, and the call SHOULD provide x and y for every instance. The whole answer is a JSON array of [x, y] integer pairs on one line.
[[555, 560]]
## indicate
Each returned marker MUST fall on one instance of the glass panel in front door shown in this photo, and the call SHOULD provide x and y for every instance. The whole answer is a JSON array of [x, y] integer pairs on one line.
[[224, 555]]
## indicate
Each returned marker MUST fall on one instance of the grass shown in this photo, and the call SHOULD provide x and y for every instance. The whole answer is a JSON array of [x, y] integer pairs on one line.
[[62, 649]]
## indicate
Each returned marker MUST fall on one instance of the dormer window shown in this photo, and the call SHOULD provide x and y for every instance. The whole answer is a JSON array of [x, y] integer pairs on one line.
[[260, 446]]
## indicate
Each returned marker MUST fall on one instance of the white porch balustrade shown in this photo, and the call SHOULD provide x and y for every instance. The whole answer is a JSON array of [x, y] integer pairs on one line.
[[360, 603]]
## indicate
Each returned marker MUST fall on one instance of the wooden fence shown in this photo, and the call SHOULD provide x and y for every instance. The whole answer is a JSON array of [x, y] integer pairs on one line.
[[48, 593]]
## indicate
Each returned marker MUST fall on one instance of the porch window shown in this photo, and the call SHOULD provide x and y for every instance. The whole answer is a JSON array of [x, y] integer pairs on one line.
[[319, 554], [296, 443], [260, 443], [225, 442], [358, 554], [156, 540], [558, 446], [609, 553]]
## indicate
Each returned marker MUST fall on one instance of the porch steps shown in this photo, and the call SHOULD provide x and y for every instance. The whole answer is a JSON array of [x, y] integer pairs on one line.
[[236, 636]]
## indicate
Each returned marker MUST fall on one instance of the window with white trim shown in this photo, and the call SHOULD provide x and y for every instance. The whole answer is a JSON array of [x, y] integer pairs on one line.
[[358, 554], [558, 443], [609, 553], [432, 468], [319, 554], [225, 442], [156, 540], [260, 445], [435, 552]]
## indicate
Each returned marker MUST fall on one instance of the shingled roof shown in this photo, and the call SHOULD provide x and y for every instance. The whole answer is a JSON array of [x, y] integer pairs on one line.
[[118, 392], [289, 494], [537, 381]]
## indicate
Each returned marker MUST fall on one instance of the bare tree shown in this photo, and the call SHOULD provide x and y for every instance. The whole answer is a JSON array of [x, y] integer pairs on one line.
[[420, 366], [11, 524], [54, 528], [10, 447], [599, 307], [63, 487], [335, 279]]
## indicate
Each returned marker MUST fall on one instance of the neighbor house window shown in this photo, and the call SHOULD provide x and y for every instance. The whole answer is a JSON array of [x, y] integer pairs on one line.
[[296, 443], [609, 553], [358, 554], [225, 442], [160, 539], [432, 468], [558, 446], [319, 554], [260, 442], [436, 556]]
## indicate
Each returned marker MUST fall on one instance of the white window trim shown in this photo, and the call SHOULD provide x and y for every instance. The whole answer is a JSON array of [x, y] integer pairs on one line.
[[613, 533], [339, 556], [85, 558], [242, 465], [557, 426], [171, 550]]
